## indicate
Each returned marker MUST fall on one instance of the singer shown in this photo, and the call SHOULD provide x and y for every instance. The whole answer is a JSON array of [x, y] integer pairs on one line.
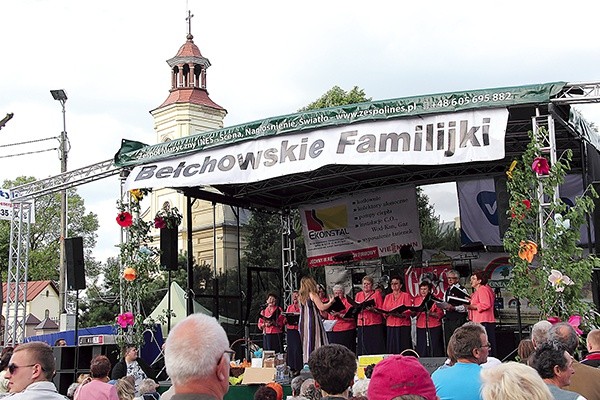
[[371, 331], [271, 323], [312, 332]]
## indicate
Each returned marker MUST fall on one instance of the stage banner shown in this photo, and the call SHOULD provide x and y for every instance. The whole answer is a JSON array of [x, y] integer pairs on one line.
[[478, 209], [572, 188], [461, 137], [361, 226], [436, 274], [7, 207]]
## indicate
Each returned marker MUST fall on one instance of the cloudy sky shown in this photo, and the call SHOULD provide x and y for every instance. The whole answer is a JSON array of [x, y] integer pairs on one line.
[[268, 58]]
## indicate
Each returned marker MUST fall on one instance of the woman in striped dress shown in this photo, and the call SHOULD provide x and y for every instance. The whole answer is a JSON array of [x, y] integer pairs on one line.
[[311, 329]]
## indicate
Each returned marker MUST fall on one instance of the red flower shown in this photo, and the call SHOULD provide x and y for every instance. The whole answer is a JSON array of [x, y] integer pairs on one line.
[[160, 223], [124, 219], [540, 166], [527, 204], [126, 319]]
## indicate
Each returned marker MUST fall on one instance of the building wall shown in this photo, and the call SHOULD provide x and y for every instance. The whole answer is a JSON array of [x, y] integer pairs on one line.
[[46, 300]]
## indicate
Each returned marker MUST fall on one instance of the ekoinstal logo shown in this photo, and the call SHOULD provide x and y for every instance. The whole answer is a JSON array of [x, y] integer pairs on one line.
[[327, 222]]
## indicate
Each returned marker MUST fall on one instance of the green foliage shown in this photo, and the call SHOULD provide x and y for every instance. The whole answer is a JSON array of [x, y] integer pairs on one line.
[[433, 235], [44, 237], [337, 96], [560, 251]]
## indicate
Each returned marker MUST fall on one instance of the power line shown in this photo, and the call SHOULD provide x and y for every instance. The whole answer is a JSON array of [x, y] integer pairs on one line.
[[29, 152], [30, 141]]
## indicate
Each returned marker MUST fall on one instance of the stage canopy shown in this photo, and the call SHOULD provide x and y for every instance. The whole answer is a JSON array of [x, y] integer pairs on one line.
[[286, 161]]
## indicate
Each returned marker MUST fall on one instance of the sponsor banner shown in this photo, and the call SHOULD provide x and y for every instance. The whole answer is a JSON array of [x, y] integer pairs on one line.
[[434, 274], [478, 209], [7, 207], [135, 153], [429, 140], [362, 226]]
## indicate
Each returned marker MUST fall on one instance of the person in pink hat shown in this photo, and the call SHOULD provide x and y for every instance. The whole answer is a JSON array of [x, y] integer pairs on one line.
[[397, 376]]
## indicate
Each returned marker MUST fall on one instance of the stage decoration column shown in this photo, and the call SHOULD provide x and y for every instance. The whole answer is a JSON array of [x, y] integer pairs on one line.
[[549, 267]]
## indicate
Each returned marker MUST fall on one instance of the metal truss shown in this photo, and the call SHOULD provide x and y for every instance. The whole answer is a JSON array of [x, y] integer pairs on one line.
[[24, 195], [579, 93], [288, 257]]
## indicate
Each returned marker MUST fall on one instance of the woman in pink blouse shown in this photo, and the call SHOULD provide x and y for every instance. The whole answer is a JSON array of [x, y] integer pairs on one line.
[[398, 324], [271, 322], [371, 330], [481, 309]]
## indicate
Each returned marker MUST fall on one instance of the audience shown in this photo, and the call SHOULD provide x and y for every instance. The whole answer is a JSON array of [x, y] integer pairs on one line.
[[132, 365], [400, 377], [295, 385], [265, 393], [4, 360], [97, 388], [555, 366], [309, 391], [539, 332], [593, 346], [148, 390], [197, 358], [125, 389], [462, 380], [513, 381], [586, 379], [333, 368], [277, 388], [525, 349]]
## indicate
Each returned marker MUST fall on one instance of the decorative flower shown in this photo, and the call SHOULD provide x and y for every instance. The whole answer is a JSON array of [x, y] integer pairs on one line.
[[124, 219], [561, 224], [509, 173], [129, 274], [540, 166], [527, 204], [574, 321], [554, 320], [126, 319], [137, 194], [146, 251], [527, 250], [559, 281], [160, 223]]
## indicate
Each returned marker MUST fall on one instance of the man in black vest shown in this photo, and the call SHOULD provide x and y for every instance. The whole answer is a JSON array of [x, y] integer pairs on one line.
[[457, 298]]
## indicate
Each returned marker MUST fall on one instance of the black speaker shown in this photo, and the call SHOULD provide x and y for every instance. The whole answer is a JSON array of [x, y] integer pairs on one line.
[[596, 286], [168, 249], [75, 263]]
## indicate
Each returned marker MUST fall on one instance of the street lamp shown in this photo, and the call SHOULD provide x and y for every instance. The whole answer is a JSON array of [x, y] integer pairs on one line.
[[61, 96]]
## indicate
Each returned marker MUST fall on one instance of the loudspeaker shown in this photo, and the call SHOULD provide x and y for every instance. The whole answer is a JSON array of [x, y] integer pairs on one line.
[[168, 249], [75, 263], [596, 286]]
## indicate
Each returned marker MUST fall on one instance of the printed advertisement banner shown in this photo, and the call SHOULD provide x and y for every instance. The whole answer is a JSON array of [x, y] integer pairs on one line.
[[362, 226], [440, 139], [7, 207]]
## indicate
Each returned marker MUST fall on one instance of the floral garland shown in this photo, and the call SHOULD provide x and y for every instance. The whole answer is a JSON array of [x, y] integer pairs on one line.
[[138, 258], [551, 278]]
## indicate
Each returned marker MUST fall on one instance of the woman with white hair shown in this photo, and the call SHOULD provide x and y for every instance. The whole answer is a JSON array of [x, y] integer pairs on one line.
[[513, 381], [344, 330]]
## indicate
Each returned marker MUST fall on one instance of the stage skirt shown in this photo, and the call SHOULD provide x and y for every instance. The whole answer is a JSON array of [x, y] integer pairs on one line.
[[273, 341], [345, 338], [294, 350], [437, 344], [371, 339], [398, 339]]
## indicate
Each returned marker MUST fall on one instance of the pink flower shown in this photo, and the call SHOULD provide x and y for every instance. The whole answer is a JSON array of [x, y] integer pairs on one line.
[[126, 319], [124, 219], [540, 166], [574, 321], [160, 223], [553, 320]]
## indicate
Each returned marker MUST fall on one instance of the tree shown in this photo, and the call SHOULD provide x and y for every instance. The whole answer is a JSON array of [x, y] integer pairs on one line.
[[44, 236], [337, 96]]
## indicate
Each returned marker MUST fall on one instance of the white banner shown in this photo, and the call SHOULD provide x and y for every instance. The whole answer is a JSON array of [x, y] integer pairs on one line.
[[362, 226], [452, 138], [7, 207]]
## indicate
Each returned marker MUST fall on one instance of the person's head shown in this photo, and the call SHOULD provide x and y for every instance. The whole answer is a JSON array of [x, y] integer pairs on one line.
[[397, 376], [60, 342], [265, 393], [361, 388], [479, 278], [471, 343], [338, 290], [452, 277], [525, 349], [564, 334], [148, 386], [100, 367], [539, 332], [4, 360], [309, 390], [333, 367], [321, 290], [272, 299], [296, 384], [277, 388], [197, 355], [367, 283], [553, 363], [593, 340], [307, 285], [396, 284], [295, 296], [125, 389], [513, 381], [130, 353], [30, 362], [424, 288]]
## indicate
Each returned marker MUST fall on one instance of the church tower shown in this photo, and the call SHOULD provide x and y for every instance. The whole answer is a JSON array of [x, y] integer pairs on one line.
[[188, 110]]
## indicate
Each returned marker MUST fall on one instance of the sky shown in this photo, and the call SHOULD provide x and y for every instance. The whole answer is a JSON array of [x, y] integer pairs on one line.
[[268, 58]]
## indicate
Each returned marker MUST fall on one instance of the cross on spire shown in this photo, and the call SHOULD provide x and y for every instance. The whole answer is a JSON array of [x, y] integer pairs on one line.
[[189, 20]]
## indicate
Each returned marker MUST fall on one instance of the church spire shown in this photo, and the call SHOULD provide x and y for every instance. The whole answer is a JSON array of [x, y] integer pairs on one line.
[[188, 73]]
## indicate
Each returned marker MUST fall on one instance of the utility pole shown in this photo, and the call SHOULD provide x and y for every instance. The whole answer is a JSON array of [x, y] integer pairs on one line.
[[61, 96]]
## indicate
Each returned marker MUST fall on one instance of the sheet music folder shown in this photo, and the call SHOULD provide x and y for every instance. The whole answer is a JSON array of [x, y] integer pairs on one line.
[[292, 318]]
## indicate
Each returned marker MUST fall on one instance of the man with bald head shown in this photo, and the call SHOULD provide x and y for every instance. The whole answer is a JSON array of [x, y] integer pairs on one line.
[[197, 357], [586, 379], [593, 346]]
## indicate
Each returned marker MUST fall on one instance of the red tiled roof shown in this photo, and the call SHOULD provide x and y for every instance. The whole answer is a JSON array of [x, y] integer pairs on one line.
[[189, 49], [190, 95], [34, 288]]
